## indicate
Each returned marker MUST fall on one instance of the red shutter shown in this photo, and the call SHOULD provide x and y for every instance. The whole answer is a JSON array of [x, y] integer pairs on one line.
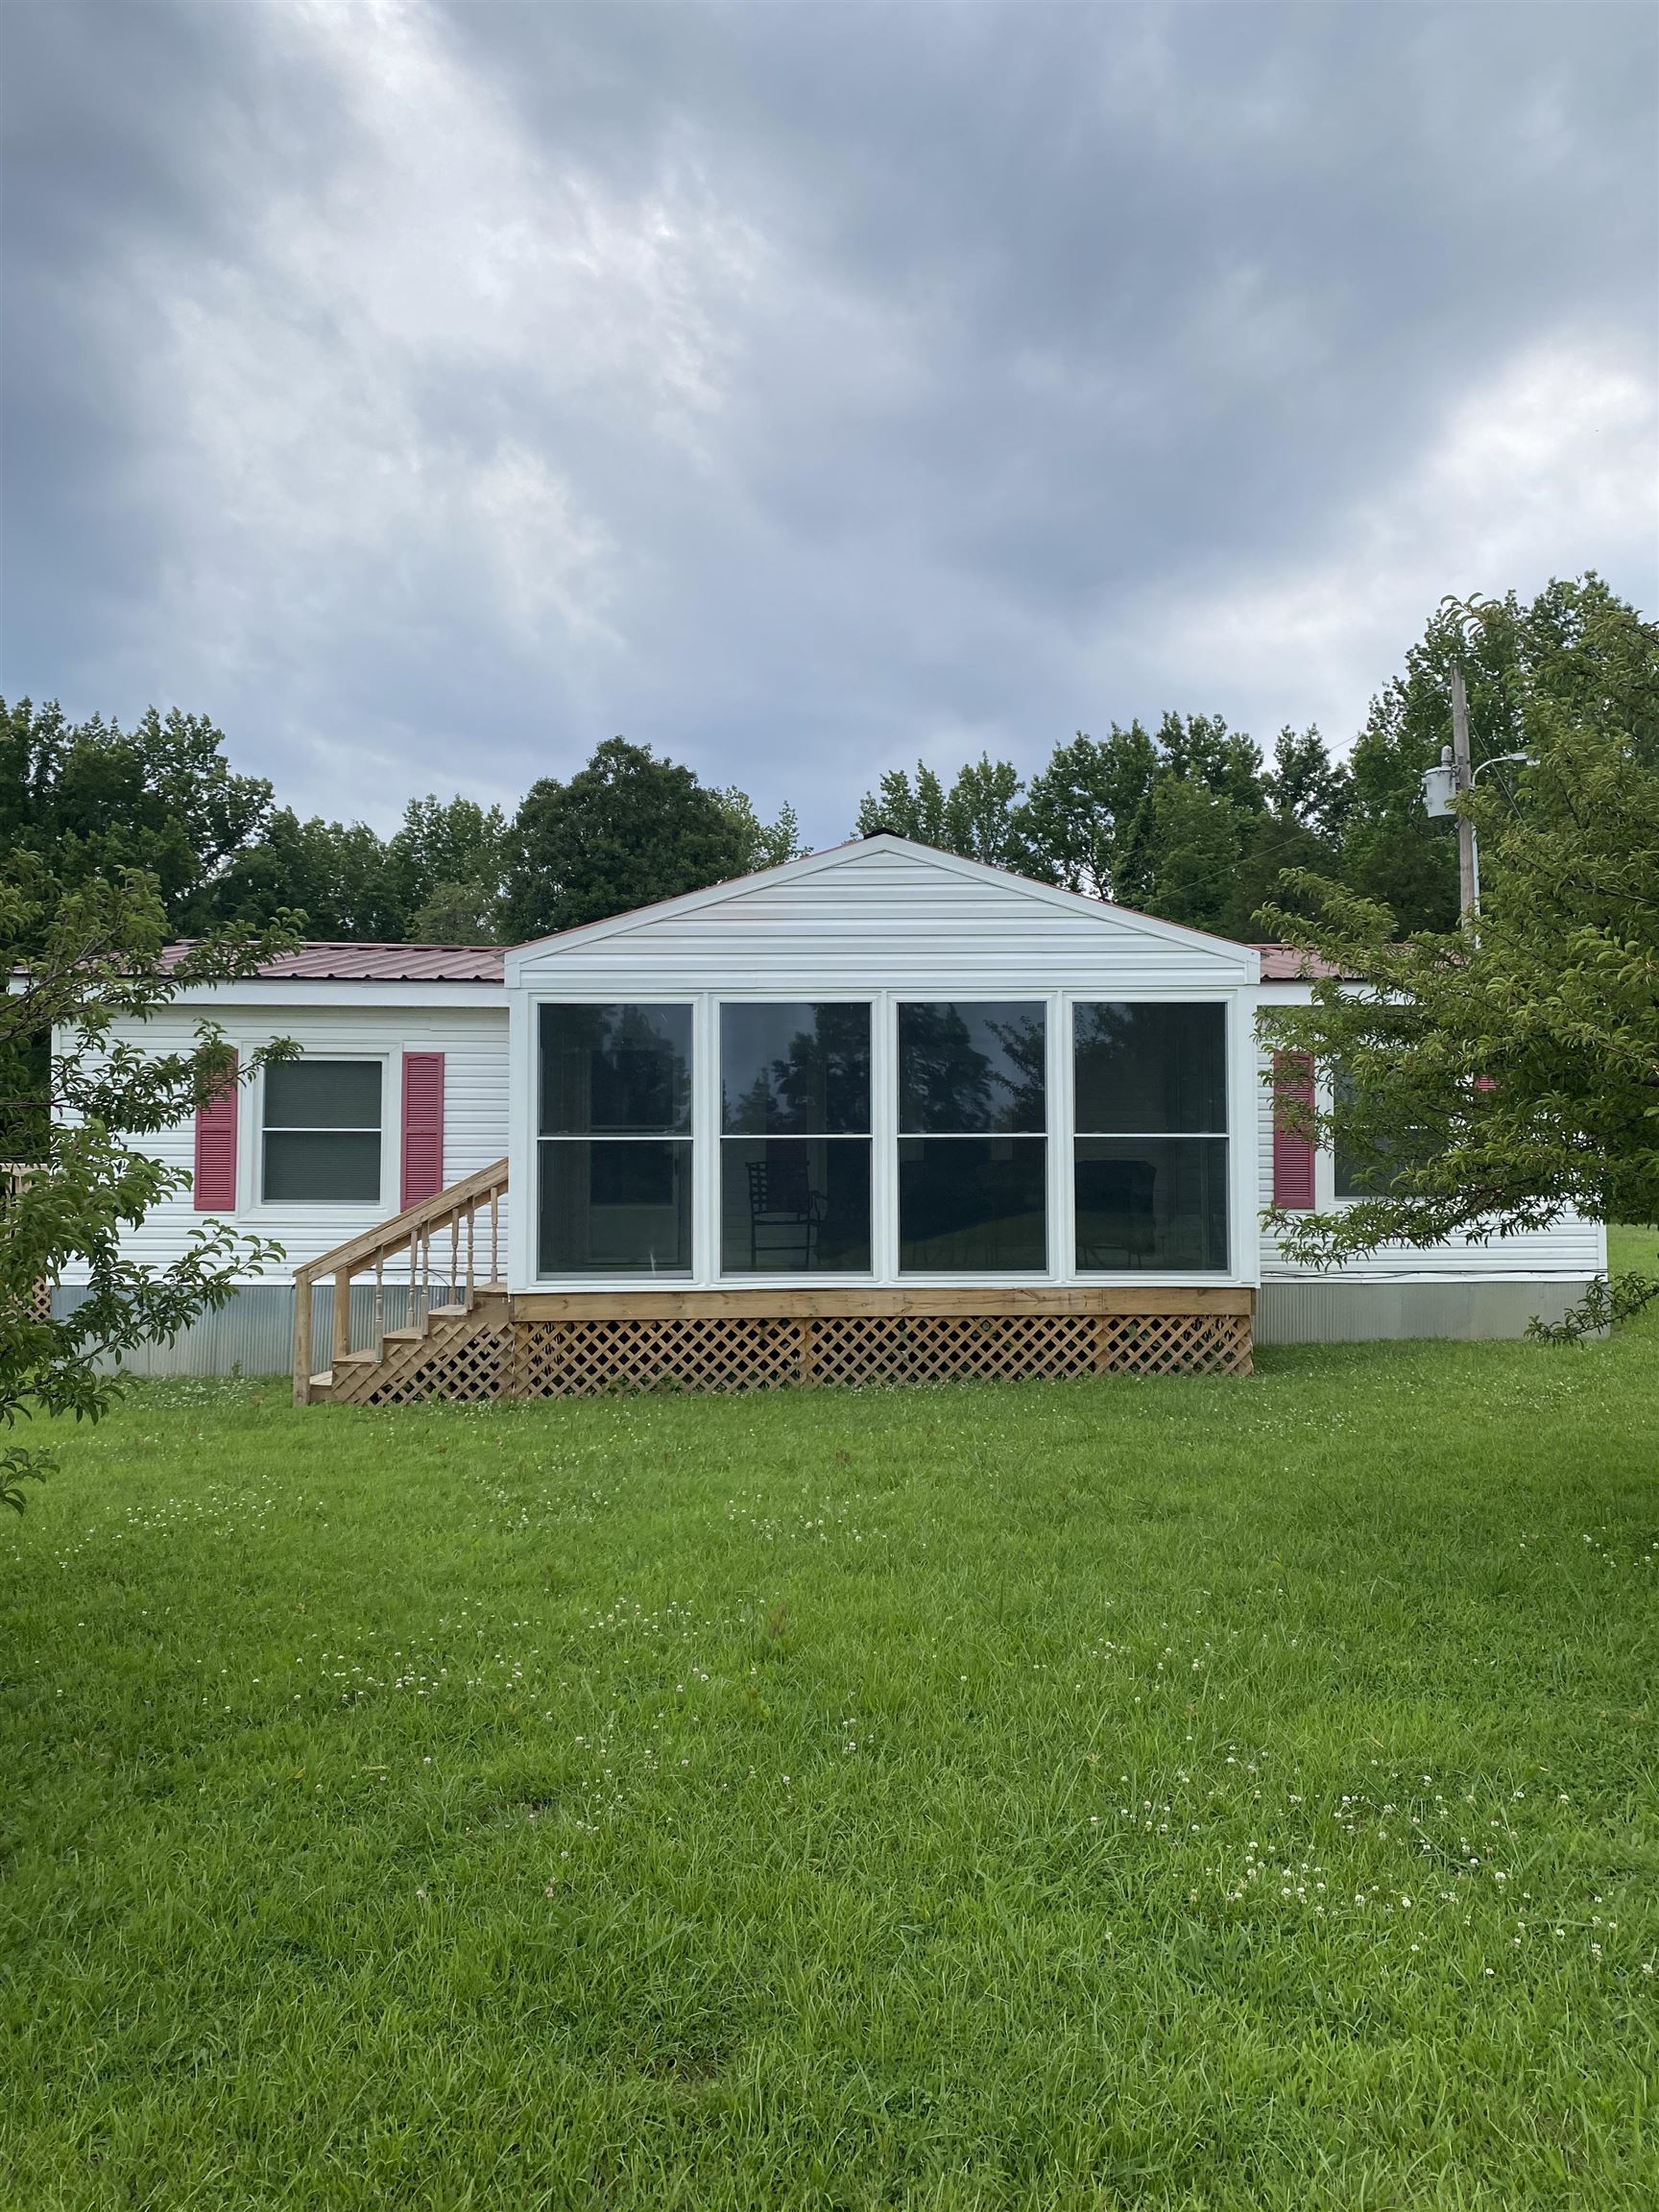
[[1292, 1153], [422, 1127], [216, 1151]]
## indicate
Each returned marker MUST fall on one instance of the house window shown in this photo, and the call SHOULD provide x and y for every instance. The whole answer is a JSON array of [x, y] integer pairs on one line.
[[1372, 1170], [794, 1139], [1150, 1142], [321, 1139], [972, 1148], [615, 1140]]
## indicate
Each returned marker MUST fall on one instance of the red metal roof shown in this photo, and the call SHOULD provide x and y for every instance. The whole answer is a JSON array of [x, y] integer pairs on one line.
[[323, 961], [326, 961], [1289, 963]]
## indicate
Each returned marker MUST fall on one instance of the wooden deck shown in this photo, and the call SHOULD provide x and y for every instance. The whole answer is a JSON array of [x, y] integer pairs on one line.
[[443, 1326]]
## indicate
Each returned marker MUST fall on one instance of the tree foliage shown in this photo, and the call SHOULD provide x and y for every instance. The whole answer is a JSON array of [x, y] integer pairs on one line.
[[446, 864], [974, 816], [763, 844], [1189, 821], [626, 830], [1485, 1078], [1086, 823], [1186, 822], [90, 800], [82, 962], [1576, 644], [331, 876], [436, 881]]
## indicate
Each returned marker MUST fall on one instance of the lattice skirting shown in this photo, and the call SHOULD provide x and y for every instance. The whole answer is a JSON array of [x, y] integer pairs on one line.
[[586, 1358], [462, 1366]]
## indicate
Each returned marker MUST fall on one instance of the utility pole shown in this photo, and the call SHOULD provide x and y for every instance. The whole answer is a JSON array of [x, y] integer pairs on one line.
[[1462, 778]]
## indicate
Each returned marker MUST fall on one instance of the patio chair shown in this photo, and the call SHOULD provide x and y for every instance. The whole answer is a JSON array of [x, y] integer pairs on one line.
[[785, 1213]]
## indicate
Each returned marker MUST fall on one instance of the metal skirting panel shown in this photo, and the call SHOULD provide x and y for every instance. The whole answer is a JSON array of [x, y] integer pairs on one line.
[[253, 1332], [1324, 1311]]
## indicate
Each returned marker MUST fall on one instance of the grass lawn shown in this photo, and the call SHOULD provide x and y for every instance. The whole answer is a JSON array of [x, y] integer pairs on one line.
[[1089, 1794]]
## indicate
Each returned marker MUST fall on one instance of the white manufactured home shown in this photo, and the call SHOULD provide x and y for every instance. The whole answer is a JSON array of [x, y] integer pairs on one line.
[[877, 1114]]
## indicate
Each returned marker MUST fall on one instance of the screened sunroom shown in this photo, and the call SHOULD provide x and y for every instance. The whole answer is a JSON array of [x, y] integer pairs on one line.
[[887, 1068], [883, 1138]]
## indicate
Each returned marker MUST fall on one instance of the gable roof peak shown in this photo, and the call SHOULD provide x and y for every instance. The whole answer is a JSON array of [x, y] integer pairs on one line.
[[882, 843]]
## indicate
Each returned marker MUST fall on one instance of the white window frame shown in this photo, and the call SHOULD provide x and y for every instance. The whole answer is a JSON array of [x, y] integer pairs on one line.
[[824, 1277], [301, 1209], [1231, 1044], [1243, 1107], [530, 1212], [1327, 1200], [1052, 1107]]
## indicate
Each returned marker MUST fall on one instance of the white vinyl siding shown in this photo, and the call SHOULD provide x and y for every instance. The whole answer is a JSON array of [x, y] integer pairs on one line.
[[473, 1042], [895, 920]]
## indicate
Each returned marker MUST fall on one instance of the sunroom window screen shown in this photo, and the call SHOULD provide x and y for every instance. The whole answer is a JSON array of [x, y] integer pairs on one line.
[[972, 1148], [1150, 1146], [614, 1147], [321, 1141], [795, 1139], [616, 1071]]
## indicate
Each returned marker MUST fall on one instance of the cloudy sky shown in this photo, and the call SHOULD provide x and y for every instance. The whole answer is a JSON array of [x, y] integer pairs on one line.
[[427, 393]]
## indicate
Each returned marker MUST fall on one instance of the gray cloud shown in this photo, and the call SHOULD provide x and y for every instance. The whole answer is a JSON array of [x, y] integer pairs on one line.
[[428, 394]]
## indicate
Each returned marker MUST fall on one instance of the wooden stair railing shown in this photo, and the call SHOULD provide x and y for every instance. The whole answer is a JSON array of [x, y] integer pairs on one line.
[[451, 1241]]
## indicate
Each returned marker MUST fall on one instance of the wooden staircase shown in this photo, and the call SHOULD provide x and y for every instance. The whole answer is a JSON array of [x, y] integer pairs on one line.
[[434, 1274]]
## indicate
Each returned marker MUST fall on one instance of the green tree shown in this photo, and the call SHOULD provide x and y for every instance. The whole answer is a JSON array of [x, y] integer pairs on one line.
[[1086, 820], [977, 816], [83, 963], [1485, 1078], [445, 867], [1306, 786], [982, 812], [1157, 823], [335, 877], [902, 808], [1201, 749], [90, 798], [1576, 644], [1196, 843], [1308, 798], [626, 830], [764, 844]]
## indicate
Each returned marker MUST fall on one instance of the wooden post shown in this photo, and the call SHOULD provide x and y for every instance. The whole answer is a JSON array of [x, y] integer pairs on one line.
[[1462, 776], [302, 1338], [342, 1313]]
